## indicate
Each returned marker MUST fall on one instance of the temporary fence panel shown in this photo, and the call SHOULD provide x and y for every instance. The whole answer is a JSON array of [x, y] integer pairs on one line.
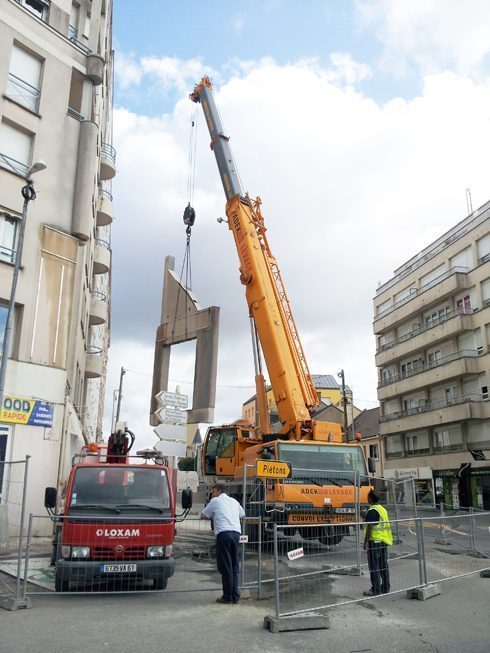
[[316, 576], [456, 545], [13, 486]]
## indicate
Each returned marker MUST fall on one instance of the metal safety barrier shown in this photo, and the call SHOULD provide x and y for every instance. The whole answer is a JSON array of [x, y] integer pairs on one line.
[[13, 488]]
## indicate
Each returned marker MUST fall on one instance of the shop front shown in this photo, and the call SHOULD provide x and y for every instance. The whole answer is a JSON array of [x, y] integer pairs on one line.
[[422, 484], [464, 487]]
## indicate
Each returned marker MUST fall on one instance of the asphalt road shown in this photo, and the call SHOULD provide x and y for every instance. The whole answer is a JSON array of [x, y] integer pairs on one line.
[[455, 621]]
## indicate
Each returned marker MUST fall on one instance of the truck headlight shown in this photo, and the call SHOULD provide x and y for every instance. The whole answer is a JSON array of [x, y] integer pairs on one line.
[[154, 552], [80, 552]]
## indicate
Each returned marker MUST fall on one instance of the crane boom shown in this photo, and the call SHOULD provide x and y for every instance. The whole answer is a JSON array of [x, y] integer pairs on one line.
[[291, 381]]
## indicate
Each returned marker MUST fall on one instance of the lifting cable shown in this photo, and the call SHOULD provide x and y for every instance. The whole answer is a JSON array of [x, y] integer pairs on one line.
[[189, 218]]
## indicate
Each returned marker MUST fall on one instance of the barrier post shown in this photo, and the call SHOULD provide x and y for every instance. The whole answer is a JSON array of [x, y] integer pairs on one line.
[[259, 559], [276, 573]]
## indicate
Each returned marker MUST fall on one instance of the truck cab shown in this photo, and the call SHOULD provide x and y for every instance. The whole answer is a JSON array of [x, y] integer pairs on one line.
[[117, 525]]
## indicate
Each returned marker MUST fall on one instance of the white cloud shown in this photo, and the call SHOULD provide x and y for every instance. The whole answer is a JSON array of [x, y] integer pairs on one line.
[[351, 189], [432, 34]]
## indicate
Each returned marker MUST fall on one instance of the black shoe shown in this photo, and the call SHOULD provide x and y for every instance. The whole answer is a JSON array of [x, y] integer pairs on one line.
[[222, 600], [236, 602]]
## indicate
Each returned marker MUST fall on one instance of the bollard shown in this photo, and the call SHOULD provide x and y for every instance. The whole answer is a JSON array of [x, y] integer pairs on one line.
[[472, 530]]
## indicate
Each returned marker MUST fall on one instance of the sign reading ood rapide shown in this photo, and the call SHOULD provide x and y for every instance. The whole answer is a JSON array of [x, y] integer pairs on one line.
[[33, 412], [273, 469]]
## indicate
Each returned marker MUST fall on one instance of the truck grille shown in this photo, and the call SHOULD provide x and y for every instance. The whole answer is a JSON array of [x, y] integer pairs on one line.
[[109, 553]]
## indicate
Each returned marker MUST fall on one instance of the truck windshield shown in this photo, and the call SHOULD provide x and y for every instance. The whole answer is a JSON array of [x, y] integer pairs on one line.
[[119, 490], [318, 462]]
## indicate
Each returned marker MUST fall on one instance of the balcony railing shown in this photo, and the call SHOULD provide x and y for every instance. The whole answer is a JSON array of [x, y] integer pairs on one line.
[[425, 327], [75, 114], [23, 93], [108, 151], [105, 193], [7, 254], [416, 292], [434, 405], [464, 353], [102, 243], [100, 296], [12, 164]]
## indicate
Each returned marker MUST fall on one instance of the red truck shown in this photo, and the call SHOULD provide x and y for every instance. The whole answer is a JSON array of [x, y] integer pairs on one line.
[[118, 522]]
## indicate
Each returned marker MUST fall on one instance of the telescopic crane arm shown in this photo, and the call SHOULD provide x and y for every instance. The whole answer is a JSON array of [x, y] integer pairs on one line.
[[291, 381]]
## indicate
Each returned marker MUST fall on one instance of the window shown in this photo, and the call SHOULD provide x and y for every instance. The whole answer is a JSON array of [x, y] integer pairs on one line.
[[24, 79], [39, 8], [464, 305], [76, 93], [86, 27], [15, 149], [433, 357], [483, 247], [484, 392], [417, 443], [3, 323], [393, 446], [447, 439], [74, 18], [373, 451], [8, 237]]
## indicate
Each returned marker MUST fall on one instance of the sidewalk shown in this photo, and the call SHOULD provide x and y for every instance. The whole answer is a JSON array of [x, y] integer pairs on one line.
[[455, 621]]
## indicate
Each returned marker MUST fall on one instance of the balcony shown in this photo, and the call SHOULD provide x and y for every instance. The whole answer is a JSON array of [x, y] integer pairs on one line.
[[107, 162], [98, 308], [443, 411], [460, 363], [104, 210], [420, 300], [438, 330], [95, 68], [94, 362], [102, 257]]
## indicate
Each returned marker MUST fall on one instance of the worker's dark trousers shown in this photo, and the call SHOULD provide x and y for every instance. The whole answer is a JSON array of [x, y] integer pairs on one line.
[[227, 546], [378, 567]]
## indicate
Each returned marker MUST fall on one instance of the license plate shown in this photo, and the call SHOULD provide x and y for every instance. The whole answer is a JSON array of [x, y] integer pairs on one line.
[[307, 519], [117, 569]]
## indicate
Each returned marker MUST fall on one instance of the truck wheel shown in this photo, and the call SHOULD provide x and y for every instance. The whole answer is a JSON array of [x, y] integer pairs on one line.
[[60, 584], [160, 583]]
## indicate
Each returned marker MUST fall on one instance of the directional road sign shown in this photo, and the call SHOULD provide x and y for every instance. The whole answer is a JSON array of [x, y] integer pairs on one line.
[[172, 415], [171, 432], [172, 399]]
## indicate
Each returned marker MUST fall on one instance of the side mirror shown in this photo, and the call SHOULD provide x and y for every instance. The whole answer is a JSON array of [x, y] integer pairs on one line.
[[186, 499], [50, 498], [372, 465]]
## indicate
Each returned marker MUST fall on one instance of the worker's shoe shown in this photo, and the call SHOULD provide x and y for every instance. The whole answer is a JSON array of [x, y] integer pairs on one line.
[[369, 593], [223, 600]]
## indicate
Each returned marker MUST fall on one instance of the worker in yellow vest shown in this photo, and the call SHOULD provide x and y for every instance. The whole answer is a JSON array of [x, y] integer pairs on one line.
[[377, 538]]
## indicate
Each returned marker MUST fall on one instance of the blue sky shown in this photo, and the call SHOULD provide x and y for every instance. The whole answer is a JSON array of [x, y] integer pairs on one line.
[[360, 124], [218, 32]]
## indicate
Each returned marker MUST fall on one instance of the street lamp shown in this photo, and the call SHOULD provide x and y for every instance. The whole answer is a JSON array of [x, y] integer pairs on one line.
[[28, 194]]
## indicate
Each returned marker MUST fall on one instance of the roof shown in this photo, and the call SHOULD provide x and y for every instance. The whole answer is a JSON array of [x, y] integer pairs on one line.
[[321, 381], [367, 423]]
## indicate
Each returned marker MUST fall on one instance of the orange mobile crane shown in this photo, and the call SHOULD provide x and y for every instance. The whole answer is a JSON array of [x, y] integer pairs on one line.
[[329, 475]]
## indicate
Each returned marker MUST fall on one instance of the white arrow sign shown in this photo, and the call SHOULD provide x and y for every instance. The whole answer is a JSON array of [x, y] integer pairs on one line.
[[172, 399], [172, 449], [171, 415], [171, 432]]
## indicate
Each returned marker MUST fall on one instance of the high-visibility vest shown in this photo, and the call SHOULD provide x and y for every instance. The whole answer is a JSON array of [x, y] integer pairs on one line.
[[381, 530]]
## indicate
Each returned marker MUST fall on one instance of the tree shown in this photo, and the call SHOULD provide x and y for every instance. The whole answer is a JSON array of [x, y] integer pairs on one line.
[[187, 464]]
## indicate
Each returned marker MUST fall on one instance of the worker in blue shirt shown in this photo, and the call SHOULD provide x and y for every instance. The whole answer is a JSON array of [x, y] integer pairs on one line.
[[226, 513]]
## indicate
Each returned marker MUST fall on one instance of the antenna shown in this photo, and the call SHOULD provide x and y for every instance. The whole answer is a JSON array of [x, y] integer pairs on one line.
[[469, 203]]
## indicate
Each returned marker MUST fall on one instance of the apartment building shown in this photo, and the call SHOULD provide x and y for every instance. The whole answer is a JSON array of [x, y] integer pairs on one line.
[[432, 328], [329, 393], [56, 81]]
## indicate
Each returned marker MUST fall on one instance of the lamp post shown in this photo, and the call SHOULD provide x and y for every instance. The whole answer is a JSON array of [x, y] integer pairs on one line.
[[28, 194]]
